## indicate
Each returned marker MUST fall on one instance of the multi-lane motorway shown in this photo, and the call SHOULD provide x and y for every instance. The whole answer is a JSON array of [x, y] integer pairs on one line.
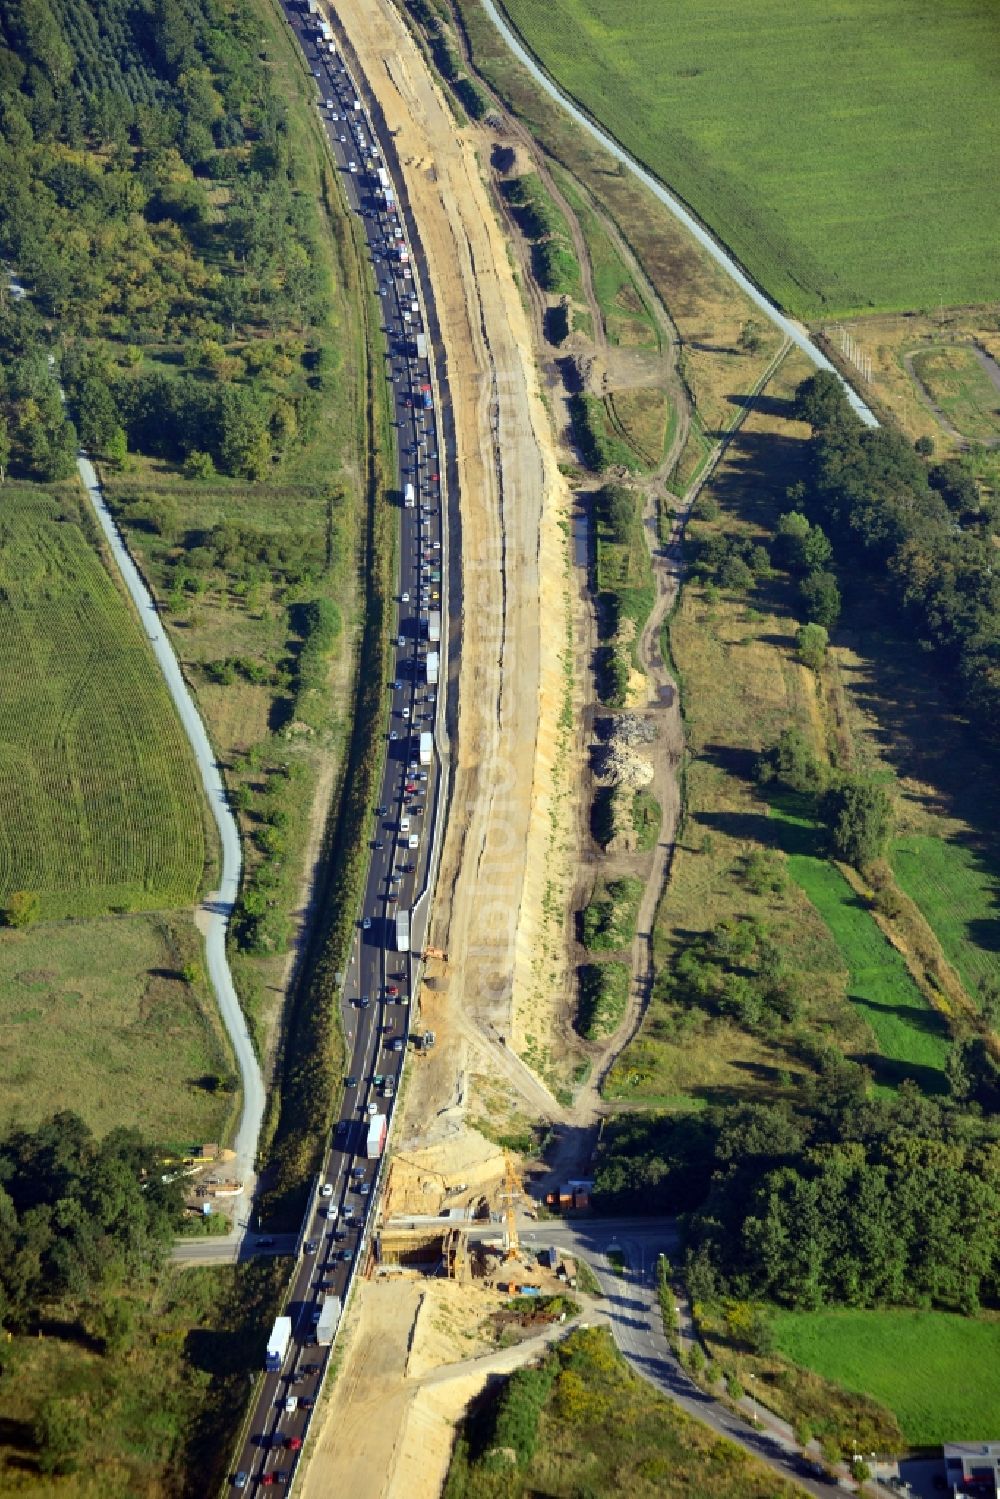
[[379, 979]]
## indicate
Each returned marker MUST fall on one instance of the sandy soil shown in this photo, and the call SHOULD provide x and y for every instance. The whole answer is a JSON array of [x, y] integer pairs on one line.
[[492, 880]]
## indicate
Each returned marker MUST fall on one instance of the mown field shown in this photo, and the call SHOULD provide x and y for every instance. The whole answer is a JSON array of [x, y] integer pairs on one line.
[[838, 150], [115, 1015], [100, 804], [938, 1372]]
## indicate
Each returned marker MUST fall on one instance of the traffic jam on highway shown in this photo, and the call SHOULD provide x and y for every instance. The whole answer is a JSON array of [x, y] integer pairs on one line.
[[380, 973]]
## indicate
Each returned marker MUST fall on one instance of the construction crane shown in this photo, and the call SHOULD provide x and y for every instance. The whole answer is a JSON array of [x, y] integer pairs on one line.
[[510, 1193]]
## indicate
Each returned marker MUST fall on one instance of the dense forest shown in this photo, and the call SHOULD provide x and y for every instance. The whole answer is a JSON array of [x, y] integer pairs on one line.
[[146, 205], [845, 1199]]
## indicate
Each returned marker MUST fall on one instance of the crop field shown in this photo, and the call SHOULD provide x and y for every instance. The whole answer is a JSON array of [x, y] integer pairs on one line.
[[912, 1038], [939, 1372], [960, 899], [838, 150], [113, 1017], [958, 383], [100, 803]]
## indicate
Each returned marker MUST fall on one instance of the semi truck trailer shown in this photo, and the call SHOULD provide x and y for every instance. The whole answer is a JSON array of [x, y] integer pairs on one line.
[[329, 1321], [402, 931], [434, 626], [426, 747], [378, 1128], [432, 668], [277, 1344]]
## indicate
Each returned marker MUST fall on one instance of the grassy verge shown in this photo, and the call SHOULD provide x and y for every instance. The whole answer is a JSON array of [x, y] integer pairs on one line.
[[553, 258], [594, 434], [915, 1363], [646, 418], [628, 322], [583, 1423]]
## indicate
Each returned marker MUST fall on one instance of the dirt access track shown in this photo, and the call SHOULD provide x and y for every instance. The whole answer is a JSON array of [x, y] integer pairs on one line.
[[510, 548]]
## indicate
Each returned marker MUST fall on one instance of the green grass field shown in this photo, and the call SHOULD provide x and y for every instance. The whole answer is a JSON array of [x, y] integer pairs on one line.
[[839, 150], [957, 383], [960, 900], [98, 1016], [939, 1372], [100, 803], [912, 1038]]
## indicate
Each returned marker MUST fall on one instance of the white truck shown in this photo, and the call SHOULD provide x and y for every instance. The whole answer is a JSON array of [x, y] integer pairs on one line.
[[421, 344], [277, 1344], [329, 1321], [402, 930], [433, 661], [378, 1128], [434, 626], [426, 747], [409, 499]]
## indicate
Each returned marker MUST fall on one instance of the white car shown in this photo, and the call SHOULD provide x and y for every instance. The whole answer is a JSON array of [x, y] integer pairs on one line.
[[352, 166], [372, 1110], [291, 1404], [326, 1190], [404, 598]]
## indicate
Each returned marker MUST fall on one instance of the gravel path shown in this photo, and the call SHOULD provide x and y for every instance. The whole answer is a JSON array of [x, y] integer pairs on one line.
[[791, 329]]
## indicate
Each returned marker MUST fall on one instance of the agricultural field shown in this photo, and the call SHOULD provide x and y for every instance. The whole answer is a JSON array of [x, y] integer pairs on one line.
[[838, 152], [115, 1016], [102, 806], [938, 1372]]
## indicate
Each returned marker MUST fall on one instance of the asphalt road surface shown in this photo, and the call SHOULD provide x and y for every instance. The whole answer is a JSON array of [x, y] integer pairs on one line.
[[379, 977], [633, 1308], [791, 329]]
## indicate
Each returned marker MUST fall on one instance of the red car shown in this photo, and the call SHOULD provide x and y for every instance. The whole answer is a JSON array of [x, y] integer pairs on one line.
[[293, 1444]]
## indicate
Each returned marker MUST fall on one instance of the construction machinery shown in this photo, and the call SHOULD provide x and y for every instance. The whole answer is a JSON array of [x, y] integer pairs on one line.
[[510, 1194]]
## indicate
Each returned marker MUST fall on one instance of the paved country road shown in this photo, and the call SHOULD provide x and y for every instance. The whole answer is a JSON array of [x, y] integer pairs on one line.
[[217, 907], [791, 329], [633, 1309]]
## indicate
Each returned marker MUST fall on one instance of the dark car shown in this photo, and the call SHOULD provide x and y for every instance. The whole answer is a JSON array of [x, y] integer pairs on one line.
[[265, 1243], [311, 1246], [347, 1255], [349, 1082]]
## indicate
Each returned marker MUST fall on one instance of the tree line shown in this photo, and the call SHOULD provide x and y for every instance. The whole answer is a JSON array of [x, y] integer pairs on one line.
[[918, 529]]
